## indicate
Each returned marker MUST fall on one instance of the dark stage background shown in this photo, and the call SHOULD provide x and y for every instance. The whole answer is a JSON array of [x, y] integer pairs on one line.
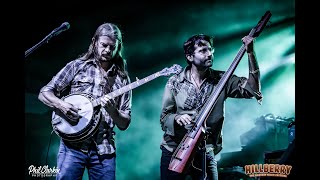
[[153, 36]]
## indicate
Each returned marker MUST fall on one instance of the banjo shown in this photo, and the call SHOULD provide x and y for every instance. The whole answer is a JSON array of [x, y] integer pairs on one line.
[[85, 126]]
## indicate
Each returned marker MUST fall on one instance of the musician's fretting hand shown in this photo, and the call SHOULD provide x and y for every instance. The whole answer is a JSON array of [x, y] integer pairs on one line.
[[108, 103], [248, 41], [69, 110], [183, 120]]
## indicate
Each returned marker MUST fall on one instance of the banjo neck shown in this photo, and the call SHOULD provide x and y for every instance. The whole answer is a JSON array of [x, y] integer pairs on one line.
[[174, 69], [127, 88]]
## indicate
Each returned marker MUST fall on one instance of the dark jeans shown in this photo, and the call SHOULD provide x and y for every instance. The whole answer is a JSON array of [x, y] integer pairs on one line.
[[72, 164], [194, 170]]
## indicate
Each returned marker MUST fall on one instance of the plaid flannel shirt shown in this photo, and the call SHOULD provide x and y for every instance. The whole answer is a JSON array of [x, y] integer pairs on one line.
[[86, 77]]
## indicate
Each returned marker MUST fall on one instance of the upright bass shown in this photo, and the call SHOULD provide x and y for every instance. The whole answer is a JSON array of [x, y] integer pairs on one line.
[[186, 149]]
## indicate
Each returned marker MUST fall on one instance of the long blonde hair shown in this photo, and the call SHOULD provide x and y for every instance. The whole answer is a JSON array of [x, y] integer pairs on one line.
[[113, 31]]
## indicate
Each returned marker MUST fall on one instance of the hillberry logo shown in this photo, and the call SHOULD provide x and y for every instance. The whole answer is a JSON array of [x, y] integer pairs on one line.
[[275, 170]]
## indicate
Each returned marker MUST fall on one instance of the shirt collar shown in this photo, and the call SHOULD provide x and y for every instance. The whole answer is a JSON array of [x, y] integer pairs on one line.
[[185, 75], [110, 72]]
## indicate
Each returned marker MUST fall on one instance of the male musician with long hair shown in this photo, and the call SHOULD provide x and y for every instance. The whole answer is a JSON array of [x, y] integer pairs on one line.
[[186, 93], [101, 70]]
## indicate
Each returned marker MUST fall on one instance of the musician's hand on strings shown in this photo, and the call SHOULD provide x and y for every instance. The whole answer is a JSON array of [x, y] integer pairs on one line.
[[248, 42], [108, 103], [183, 120], [69, 110]]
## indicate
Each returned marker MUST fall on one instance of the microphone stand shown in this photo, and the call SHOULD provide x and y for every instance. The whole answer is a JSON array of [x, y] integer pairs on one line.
[[55, 32], [44, 40]]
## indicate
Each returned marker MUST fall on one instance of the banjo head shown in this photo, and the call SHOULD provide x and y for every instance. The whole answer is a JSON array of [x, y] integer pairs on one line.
[[62, 125]]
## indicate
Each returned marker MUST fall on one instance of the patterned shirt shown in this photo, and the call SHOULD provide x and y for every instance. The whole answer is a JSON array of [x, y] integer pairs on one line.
[[89, 78], [182, 97]]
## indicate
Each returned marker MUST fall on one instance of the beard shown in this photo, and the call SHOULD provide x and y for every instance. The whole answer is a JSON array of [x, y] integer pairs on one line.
[[105, 58], [203, 65], [208, 63]]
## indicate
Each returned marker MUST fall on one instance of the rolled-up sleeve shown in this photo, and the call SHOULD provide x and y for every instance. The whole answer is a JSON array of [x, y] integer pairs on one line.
[[168, 112], [126, 103], [237, 87]]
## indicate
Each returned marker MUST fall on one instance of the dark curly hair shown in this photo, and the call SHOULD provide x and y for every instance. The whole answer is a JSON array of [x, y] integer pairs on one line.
[[189, 45]]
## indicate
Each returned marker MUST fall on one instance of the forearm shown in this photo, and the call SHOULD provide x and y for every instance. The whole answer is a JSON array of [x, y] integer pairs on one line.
[[121, 119], [254, 72], [48, 98]]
